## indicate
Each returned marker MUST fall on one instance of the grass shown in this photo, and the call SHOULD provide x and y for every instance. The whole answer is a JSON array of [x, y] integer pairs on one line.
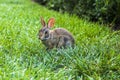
[[23, 57]]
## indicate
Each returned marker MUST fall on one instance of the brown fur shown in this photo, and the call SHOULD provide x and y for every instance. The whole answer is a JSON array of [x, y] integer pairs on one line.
[[58, 37]]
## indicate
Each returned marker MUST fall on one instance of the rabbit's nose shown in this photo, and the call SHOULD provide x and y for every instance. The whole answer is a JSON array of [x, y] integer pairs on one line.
[[41, 39]]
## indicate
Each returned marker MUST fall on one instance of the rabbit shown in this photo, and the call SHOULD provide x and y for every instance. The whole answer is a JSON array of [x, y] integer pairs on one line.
[[57, 38]]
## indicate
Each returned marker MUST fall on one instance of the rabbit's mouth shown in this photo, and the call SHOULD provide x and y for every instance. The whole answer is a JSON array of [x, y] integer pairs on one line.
[[43, 39], [46, 38]]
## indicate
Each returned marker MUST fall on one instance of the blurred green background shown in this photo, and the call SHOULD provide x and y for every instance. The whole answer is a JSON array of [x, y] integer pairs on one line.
[[96, 55], [103, 11]]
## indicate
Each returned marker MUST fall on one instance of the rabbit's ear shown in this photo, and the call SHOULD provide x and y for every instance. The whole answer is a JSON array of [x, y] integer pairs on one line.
[[42, 22], [51, 22]]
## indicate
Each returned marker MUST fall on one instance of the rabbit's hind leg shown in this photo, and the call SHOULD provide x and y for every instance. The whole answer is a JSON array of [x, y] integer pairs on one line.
[[60, 42]]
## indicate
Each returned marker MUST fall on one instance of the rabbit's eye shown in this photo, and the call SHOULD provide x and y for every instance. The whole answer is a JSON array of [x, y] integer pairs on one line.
[[46, 32]]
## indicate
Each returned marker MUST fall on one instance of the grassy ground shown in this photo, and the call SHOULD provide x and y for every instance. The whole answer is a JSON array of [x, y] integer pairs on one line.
[[23, 57]]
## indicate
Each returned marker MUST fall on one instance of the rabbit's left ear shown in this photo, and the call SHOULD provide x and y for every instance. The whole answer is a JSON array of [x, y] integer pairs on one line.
[[42, 22], [51, 22]]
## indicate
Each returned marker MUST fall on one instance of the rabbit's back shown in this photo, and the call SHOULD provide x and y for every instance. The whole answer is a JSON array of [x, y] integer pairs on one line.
[[64, 32]]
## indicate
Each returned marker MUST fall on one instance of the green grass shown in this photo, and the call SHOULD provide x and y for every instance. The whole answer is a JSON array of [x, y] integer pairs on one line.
[[23, 57]]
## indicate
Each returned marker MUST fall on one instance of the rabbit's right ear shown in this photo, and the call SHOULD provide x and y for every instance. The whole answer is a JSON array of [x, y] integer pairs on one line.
[[51, 22], [42, 22]]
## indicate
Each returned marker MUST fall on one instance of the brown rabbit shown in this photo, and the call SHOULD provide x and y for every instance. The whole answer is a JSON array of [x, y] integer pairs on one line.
[[58, 37]]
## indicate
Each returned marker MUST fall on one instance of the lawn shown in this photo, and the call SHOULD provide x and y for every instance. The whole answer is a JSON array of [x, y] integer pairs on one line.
[[96, 55]]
